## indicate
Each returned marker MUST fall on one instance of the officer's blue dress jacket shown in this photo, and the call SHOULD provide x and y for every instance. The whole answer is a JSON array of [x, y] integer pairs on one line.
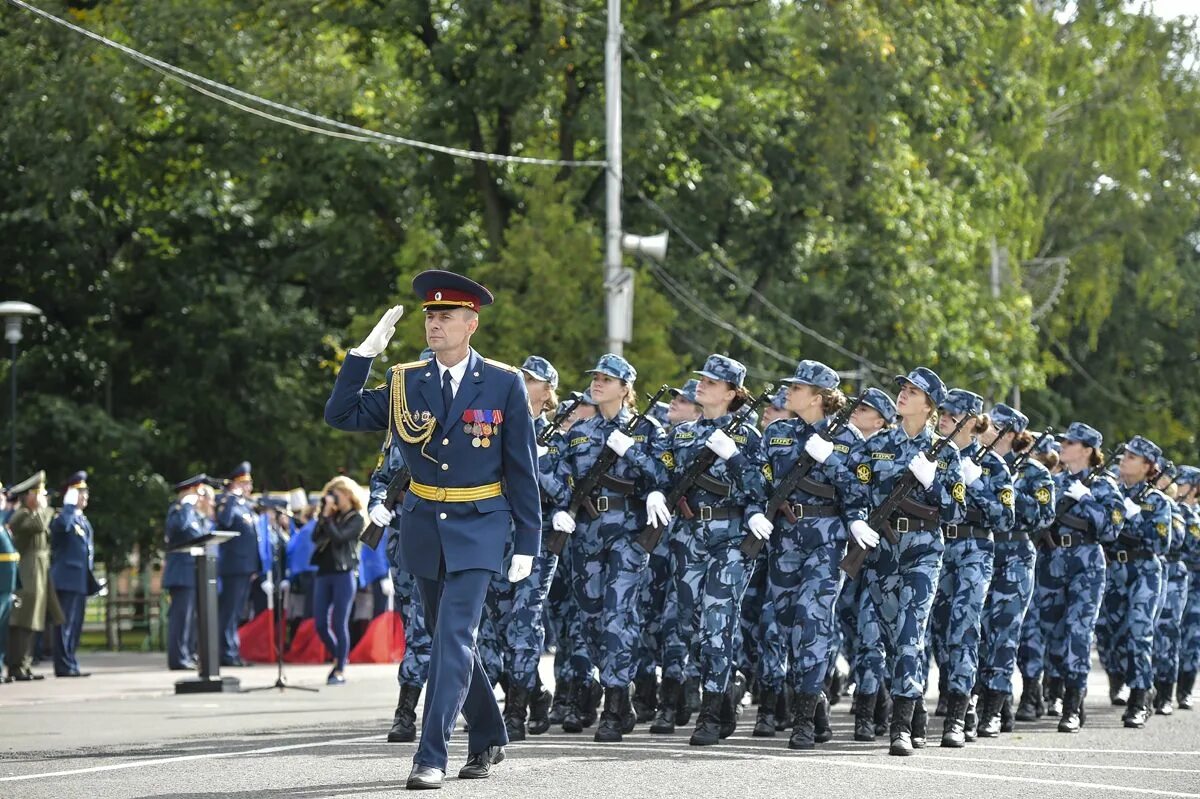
[[465, 535], [1150, 529], [184, 525], [10, 575], [240, 555], [72, 552]]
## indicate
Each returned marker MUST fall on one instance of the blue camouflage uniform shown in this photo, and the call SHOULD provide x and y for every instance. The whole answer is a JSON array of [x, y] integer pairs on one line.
[[902, 577], [238, 559], [1168, 630], [968, 560], [606, 565], [72, 557], [184, 525], [1189, 644]]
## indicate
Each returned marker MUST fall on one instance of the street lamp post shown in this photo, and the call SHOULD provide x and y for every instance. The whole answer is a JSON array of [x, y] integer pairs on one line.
[[13, 314]]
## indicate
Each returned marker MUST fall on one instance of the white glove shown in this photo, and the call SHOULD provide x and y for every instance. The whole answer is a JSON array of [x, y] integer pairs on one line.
[[760, 526], [520, 568], [657, 512], [1131, 508], [971, 471], [563, 522], [863, 535], [722, 444], [268, 587], [381, 515], [71, 497], [377, 340], [923, 468], [284, 585], [542, 451], [619, 443], [189, 499], [387, 586], [819, 448], [1077, 491]]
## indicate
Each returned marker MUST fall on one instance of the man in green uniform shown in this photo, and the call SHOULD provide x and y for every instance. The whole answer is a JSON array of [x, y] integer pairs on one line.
[[9, 579], [36, 601]]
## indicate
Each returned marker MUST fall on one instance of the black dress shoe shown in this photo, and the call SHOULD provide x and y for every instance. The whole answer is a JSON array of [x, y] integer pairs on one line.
[[424, 778], [479, 766], [75, 674], [26, 676]]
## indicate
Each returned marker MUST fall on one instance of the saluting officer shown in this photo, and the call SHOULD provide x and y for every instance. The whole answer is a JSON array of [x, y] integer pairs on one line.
[[188, 518], [239, 560], [466, 430], [37, 603], [72, 556]]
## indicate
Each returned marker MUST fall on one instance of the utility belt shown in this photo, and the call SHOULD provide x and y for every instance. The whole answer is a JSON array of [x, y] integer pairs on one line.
[[794, 512], [966, 532], [1069, 540], [709, 513], [607, 502], [1010, 537], [914, 516], [460, 494], [1128, 555]]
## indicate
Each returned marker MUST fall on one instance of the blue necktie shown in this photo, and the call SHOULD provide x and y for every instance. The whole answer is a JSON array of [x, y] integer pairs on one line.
[[447, 394]]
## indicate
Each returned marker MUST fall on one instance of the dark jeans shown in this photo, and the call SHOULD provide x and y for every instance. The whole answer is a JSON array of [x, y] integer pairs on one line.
[[334, 591]]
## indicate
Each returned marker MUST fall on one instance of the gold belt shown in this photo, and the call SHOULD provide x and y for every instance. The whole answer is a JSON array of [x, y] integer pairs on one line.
[[441, 494], [9, 557]]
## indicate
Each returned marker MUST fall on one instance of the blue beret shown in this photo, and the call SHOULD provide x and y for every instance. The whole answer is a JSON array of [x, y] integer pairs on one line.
[[881, 402], [440, 290], [688, 392], [1007, 416], [1145, 448], [1084, 434], [720, 367], [926, 380], [539, 368], [814, 373], [614, 366], [959, 401]]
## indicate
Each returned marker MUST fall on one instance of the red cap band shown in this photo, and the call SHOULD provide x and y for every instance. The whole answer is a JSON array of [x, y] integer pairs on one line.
[[451, 297]]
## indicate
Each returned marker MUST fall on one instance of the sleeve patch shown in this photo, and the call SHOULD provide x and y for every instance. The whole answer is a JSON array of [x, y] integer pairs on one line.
[[1006, 497], [1042, 495], [1162, 529], [959, 492], [668, 459], [769, 473], [863, 473], [1118, 517]]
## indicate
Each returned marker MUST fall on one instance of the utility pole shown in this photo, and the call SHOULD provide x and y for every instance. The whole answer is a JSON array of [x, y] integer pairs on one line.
[[617, 308]]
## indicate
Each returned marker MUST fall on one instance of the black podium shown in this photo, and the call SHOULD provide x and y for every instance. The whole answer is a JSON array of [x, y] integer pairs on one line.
[[209, 681]]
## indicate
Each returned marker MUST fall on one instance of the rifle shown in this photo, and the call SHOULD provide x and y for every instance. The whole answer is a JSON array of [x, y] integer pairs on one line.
[[552, 428], [1021, 459], [581, 497], [395, 490], [987, 450], [677, 497], [880, 518], [1046, 536], [779, 500]]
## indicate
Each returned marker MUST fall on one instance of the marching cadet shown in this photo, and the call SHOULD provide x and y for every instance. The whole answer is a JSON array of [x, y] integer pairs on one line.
[[239, 560], [803, 578], [901, 577], [473, 488], [72, 557], [606, 565], [710, 574], [36, 601], [1168, 629], [1135, 575], [10, 580], [968, 559], [189, 518], [1189, 645]]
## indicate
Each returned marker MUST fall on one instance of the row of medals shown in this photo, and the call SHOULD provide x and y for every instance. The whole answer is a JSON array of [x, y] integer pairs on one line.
[[481, 432]]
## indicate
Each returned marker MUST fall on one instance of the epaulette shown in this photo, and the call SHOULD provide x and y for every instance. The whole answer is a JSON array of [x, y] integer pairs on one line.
[[409, 365], [500, 365]]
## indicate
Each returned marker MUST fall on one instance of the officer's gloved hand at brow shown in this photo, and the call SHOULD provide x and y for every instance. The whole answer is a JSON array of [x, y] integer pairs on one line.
[[71, 497], [657, 512], [520, 568], [924, 469], [1131, 508], [971, 471], [381, 515], [377, 340], [619, 443], [760, 526], [863, 535], [720, 443], [563, 522], [1077, 491], [819, 448]]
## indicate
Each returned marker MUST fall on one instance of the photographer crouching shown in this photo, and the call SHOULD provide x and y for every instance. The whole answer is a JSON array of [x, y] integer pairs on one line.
[[335, 542]]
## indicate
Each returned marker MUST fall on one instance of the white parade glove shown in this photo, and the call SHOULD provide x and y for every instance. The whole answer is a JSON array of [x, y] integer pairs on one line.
[[268, 587], [387, 586], [542, 451], [863, 535], [1131, 508], [562, 522], [818, 448], [520, 568], [619, 443], [657, 512], [1077, 491], [284, 585], [971, 471], [760, 526], [381, 515], [377, 340], [924, 469], [71, 497], [720, 443], [189, 499]]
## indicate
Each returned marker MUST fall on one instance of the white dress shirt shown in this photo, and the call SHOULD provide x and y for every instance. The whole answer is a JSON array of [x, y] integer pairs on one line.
[[457, 371]]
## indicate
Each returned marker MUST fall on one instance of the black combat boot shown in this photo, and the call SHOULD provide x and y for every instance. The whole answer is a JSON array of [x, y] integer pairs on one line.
[[562, 701], [628, 715], [540, 700], [920, 723], [943, 697], [611, 725], [989, 713], [1137, 712], [864, 717], [591, 710], [1006, 714], [822, 729], [900, 729], [764, 726], [954, 728], [708, 722], [1072, 701], [516, 702], [1163, 699], [668, 700], [644, 697], [971, 719], [1031, 707], [1115, 684], [783, 709], [580, 700], [1183, 692], [1054, 696], [883, 712], [689, 701], [804, 708], [404, 723], [834, 687], [731, 706]]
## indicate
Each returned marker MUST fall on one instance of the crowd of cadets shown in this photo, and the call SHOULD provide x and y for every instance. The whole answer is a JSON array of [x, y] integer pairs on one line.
[[1009, 550]]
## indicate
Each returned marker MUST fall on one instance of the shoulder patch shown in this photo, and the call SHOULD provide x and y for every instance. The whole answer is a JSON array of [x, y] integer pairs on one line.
[[668, 459], [1161, 529], [959, 492], [1006, 497], [863, 473], [1042, 495], [500, 365]]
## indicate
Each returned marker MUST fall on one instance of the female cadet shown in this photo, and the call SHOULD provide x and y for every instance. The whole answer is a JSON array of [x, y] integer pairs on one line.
[[901, 576], [1012, 571], [803, 579], [710, 573], [1167, 631], [967, 562], [606, 564], [1189, 645], [1135, 575]]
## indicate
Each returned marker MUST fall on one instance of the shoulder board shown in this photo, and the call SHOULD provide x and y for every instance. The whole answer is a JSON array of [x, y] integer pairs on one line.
[[410, 365], [500, 365]]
